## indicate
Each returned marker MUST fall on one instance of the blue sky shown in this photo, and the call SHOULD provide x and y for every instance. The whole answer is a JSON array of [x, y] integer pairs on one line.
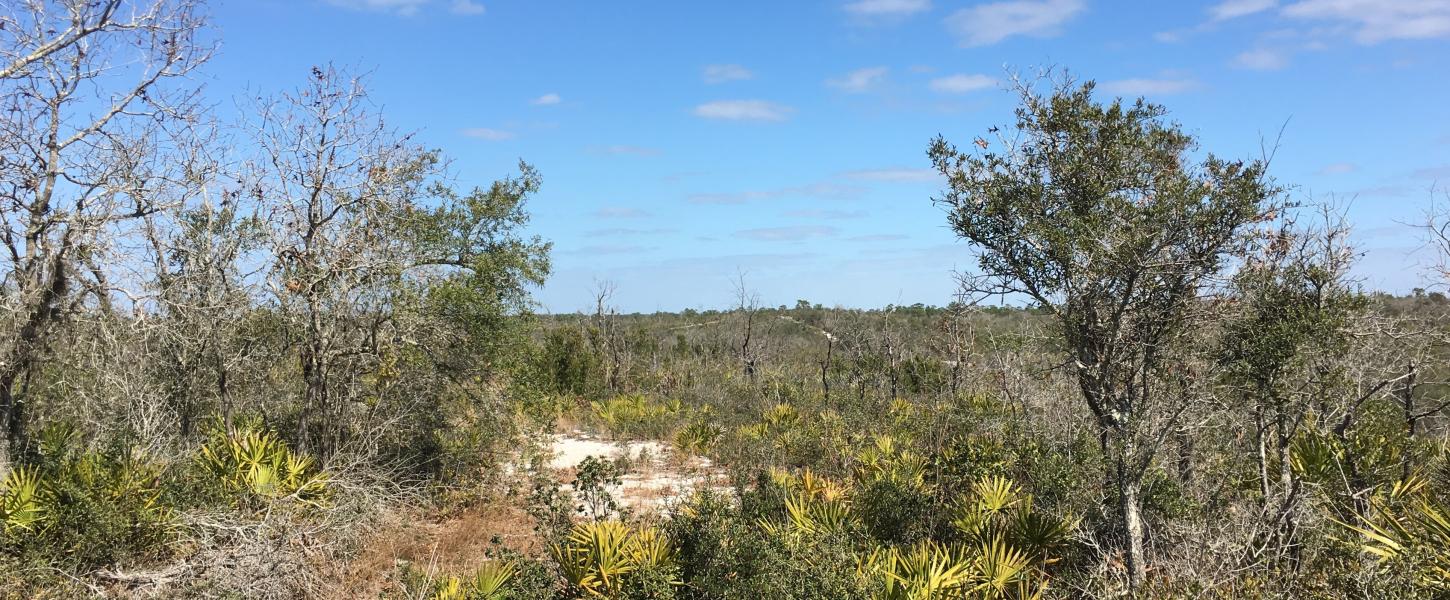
[[682, 143]]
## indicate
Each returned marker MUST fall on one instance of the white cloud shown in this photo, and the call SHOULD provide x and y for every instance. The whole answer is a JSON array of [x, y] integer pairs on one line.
[[408, 8], [887, 8], [821, 190], [467, 7], [1232, 9], [620, 212], [860, 80], [1148, 87], [825, 214], [628, 232], [786, 234], [743, 110], [548, 99], [1440, 172], [404, 8], [1375, 21], [599, 249], [723, 73], [484, 133], [961, 83], [620, 150], [986, 24], [1262, 59], [895, 174], [724, 199], [1338, 169]]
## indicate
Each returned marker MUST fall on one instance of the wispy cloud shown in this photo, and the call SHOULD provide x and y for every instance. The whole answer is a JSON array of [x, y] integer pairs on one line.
[[619, 212], [408, 8], [743, 110], [1148, 86], [961, 83], [1375, 21], [548, 99], [986, 24], [1383, 191], [786, 234], [1338, 169], [627, 232], [723, 73], [405, 8], [602, 249], [887, 8], [622, 150], [822, 190], [1439, 172], [1225, 10], [727, 198], [1262, 59], [860, 80], [467, 7], [484, 133], [894, 174], [825, 214], [1233, 9]]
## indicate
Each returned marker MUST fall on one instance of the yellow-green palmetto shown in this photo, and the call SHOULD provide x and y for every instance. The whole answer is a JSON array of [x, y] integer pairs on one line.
[[486, 583], [597, 558], [258, 465], [20, 507]]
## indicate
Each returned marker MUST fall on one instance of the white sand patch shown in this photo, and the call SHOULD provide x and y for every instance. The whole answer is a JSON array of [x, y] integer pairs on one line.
[[657, 476]]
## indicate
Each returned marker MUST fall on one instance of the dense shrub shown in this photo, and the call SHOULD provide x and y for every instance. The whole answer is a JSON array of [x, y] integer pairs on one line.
[[85, 509]]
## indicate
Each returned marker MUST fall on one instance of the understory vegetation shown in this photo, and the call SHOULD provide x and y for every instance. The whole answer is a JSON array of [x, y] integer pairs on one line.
[[283, 354]]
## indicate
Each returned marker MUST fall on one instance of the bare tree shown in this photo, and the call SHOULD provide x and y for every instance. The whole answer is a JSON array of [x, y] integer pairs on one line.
[[607, 336], [95, 107], [204, 294], [337, 186], [747, 304]]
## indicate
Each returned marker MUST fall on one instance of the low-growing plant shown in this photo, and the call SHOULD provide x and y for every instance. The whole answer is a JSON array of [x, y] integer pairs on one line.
[[20, 507], [85, 509], [608, 559], [1408, 530], [592, 480], [255, 466], [488, 582]]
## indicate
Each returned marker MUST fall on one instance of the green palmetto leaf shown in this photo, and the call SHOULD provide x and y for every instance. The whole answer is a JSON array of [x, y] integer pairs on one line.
[[258, 464], [1000, 565], [489, 581], [816, 515], [1409, 524], [649, 548], [924, 572], [995, 494], [20, 507], [449, 588], [596, 557]]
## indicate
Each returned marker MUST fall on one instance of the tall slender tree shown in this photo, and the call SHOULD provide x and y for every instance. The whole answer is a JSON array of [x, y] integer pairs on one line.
[[1102, 215]]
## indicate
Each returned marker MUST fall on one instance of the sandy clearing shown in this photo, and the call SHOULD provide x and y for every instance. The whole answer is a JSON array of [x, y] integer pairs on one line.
[[658, 476]]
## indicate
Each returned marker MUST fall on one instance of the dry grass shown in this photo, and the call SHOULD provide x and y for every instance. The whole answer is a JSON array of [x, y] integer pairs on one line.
[[454, 543]]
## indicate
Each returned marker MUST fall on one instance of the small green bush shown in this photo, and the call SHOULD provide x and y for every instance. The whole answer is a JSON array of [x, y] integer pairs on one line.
[[85, 509]]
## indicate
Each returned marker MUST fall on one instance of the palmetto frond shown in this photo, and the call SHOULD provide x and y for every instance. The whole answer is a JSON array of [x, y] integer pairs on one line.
[[20, 507], [1409, 524], [597, 557], [258, 464]]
